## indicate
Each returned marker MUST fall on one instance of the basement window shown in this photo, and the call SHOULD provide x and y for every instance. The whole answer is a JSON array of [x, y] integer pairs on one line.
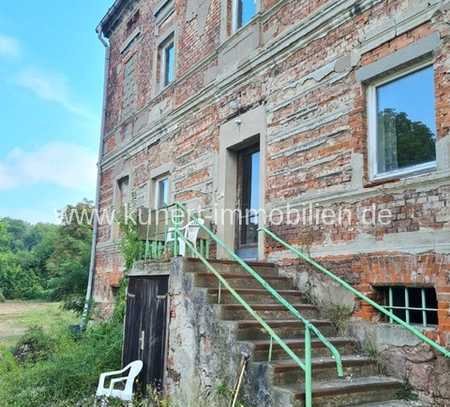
[[414, 305], [402, 123], [243, 12]]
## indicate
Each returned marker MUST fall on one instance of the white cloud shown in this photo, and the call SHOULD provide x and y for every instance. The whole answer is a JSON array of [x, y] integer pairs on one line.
[[62, 164], [52, 87], [6, 179], [9, 46]]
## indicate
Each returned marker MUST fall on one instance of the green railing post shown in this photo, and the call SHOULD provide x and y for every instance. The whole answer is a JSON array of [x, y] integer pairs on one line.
[[308, 368], [252, 312], [269, 359], [361, 296]]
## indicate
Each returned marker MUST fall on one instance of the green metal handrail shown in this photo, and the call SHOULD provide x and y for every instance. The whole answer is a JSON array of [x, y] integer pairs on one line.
[[309, 327], [357, 293], [306, 366]]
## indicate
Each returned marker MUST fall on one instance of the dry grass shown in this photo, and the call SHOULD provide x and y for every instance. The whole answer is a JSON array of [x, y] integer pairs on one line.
[[17, 316]]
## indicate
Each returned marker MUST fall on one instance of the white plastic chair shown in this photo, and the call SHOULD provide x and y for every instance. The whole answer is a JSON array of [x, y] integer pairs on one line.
[[190, 233], [126, 394]]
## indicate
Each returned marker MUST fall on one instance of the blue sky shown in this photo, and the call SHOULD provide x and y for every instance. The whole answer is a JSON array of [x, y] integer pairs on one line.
[[51, 84]]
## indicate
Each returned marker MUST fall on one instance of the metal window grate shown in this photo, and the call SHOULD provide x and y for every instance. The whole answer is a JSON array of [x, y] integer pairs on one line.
[[414, 305]]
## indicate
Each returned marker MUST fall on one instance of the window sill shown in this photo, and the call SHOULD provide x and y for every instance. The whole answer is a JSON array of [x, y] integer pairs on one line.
[[163, 89], [404, 173], [239, 34], [235, 31]]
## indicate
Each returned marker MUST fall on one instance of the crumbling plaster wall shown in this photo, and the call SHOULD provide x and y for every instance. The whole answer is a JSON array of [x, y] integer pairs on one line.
[[203, 356]]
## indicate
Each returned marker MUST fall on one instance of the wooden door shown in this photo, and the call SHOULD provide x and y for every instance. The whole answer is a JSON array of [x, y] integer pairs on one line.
[[145, 327]]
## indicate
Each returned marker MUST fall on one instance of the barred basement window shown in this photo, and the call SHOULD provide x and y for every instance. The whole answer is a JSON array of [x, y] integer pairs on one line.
[[414, 305]]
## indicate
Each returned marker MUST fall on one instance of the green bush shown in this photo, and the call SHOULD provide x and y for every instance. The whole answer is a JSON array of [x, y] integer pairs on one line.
[[34, 345], [74, 303], [2, 297], [66, 372]]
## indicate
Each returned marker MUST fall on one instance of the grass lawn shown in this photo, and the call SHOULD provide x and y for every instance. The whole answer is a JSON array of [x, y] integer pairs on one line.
[[17, 316]]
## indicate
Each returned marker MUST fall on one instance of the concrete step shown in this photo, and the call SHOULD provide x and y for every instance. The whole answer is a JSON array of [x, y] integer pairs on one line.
[[254, 296], [241, 280], [393, 403], [287, 371], [267, 311], [344, 345], [227, 266], [289, 329], [345, 392]]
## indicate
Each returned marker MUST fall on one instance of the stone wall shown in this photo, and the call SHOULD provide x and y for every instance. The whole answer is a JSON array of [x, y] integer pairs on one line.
[[402, 355]]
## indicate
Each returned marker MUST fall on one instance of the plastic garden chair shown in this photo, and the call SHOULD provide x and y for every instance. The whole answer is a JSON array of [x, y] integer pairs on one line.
[[125, 394], [191, 231]]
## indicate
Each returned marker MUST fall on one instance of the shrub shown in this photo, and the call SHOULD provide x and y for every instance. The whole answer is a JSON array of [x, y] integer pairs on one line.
[[33, 346], [67, 373], [2, 297], [75, 303]]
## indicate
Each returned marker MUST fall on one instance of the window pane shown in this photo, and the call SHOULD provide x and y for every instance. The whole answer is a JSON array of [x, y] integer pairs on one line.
[[415, 301], [163, 193], [406, 125], [123, 185], [246, 10], [169, 67]]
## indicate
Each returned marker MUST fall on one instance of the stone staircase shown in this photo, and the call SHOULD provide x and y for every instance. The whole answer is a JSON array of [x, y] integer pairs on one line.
[[363, 384]]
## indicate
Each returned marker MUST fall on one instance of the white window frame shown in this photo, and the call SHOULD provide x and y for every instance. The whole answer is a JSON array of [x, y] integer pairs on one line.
[[170, 40], [372, 107], [158, 191], [234, 13]]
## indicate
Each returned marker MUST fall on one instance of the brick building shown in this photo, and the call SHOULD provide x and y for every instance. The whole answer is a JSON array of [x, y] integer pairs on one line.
[[336, 105]]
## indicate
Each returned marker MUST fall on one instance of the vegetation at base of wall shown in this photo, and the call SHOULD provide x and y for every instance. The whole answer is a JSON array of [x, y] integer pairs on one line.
[[406, 392], [220, 396], [339, 315], [131, 247], [60, 369], [46, 261], [57, 368]]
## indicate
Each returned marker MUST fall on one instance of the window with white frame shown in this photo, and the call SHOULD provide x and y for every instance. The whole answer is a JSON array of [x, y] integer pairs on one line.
[[162, 192], [415, 305], [243, 12], [402, 123], [167, 61]]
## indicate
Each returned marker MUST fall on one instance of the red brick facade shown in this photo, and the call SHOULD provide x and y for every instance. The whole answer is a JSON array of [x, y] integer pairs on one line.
[[299, 61]]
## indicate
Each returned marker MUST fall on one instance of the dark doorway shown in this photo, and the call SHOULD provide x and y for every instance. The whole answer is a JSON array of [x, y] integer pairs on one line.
[[145, 328], [249, 180]]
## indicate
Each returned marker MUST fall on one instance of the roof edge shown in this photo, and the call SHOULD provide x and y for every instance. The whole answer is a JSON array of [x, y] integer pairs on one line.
[[105, 25]]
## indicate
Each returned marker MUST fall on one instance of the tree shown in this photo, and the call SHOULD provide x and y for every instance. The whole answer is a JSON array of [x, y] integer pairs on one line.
[[413, 141], [44, 260], [68, 266]]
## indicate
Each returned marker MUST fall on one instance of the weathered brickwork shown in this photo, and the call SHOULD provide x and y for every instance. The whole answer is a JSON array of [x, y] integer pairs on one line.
[[299, 61]]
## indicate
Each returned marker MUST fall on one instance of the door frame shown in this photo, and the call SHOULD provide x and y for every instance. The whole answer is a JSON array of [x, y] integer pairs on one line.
[[165, 323], [244, 186], [236, 134]]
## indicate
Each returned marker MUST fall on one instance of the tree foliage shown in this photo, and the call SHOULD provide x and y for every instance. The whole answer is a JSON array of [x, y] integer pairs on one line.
[[415, 141], [47, 261]]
